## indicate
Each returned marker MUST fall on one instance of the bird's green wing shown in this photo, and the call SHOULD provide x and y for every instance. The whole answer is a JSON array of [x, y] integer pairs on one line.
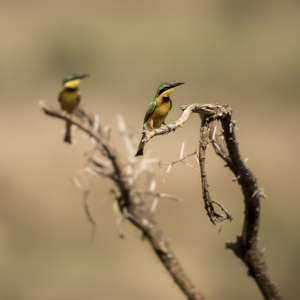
[[149, 111]]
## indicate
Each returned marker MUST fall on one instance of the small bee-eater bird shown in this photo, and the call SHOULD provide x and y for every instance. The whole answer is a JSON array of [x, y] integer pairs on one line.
[[157, 110], [69, 98]]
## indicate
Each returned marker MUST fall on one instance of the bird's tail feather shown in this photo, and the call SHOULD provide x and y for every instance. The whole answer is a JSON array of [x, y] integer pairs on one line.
[[140, 150], [68, 138]]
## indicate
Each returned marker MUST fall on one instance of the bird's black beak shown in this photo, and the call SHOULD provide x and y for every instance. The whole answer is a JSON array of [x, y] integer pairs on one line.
[[176, 84], [82, 76]]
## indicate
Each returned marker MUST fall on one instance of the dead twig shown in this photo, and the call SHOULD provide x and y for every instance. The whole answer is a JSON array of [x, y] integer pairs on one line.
[[205, 131]]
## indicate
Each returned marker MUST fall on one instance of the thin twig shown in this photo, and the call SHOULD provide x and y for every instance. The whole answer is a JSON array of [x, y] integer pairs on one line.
[[158, 195], [205, 132], [178, 160], [88, 213]]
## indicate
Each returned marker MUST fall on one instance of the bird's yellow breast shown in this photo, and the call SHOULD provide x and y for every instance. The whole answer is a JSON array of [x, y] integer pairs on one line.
[[159, 115], [69, 100]]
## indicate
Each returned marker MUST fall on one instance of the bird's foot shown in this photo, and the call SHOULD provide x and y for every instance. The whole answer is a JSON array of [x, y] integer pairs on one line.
[[168, 127]]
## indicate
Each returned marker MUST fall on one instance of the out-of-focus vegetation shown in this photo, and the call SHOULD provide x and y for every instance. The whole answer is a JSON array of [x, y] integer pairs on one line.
[[246, 55]]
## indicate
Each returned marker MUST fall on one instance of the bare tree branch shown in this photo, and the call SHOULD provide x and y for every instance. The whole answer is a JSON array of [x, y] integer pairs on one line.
[[246, 247], [208, 201], [226, 146], [180, 160], [132, 205], [208, 113]]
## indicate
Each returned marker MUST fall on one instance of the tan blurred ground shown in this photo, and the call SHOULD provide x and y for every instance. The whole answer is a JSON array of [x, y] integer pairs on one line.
[[226, 52]]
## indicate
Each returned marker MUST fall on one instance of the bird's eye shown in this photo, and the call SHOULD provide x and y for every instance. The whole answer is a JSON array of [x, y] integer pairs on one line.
[[163, 90]]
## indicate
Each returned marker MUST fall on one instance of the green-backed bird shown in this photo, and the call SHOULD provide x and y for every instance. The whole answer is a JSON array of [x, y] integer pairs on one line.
[[69, 98], [157, 110]]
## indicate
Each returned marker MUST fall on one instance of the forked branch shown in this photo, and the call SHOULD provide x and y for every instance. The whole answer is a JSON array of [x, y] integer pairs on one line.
[[226, 146], [131, 202], [133, 206]]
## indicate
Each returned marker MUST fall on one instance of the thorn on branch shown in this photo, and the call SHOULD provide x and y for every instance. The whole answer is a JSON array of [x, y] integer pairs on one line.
[[260, 193], [158, 195], [236, 247], [180, 160]]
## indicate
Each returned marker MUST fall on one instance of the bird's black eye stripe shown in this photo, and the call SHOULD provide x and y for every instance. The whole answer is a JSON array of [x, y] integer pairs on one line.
[[163, 90]]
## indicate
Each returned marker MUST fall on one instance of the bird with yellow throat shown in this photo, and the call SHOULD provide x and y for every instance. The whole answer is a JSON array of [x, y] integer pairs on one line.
[[69, 98], [157, 110]]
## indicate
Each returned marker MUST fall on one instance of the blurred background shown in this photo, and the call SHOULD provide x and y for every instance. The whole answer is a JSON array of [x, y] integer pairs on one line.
[[241, 53]]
